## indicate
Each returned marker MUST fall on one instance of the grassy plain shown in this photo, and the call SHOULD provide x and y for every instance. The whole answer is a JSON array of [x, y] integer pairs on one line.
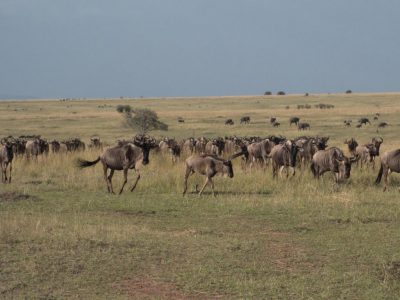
[[63, 236]]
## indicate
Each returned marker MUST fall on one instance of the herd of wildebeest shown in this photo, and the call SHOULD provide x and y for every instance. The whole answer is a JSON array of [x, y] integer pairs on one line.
[[210, 157]]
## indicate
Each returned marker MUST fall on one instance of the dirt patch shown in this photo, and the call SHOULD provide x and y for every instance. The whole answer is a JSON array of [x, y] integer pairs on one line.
[[148, 288], [15, 196]]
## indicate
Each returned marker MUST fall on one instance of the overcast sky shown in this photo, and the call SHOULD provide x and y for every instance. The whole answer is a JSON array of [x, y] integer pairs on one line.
[[102, 48]]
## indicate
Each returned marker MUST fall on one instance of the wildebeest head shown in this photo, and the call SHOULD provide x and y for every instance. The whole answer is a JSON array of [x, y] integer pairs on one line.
[[293, 149], [146, 144], [321, 142], [377, 143], [227, 168], [352, 144], [8, 151], [344, 166]]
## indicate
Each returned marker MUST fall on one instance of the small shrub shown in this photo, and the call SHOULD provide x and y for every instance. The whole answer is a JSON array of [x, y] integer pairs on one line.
[[281, 93]]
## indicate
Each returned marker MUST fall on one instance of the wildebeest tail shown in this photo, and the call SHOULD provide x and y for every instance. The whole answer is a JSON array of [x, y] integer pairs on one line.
[[81, 163], [378, 179]]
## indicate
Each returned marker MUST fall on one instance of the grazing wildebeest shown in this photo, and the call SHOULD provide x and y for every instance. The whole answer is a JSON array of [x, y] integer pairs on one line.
[[390, 162], [276, 124], [284, 156], [376, 118], [332, 160], [209, 166], [352, 145], [381, 125], [229, 122], [181, 120], [272, 120], [364, 121], [95, 143], [124, 156], [347, 123], [358, 125], [294, 120], [6, 157], [245, 120], [303, 126]]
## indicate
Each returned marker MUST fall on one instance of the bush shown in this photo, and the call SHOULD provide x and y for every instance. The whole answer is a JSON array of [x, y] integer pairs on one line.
[[268, 93], [281, 93], [348, 92], [141, 119]]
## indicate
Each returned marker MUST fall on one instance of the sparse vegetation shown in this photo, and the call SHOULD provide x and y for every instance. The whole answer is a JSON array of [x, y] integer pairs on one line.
[[63, 236]]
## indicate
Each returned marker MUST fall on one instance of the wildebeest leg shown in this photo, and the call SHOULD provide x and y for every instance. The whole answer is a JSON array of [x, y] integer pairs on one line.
[[212, 186], [125, 180], [2, 172], [280, 171], [105, 168], [187, 174], [9, 178], [137, 179], [110, 180], [385, 177], [205, 183]]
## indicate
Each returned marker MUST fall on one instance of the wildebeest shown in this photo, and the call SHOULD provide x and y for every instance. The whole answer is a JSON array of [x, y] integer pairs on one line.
[[215, 146], [188, 146], [276, 124], [200, 145], [95, 143], [390, 162], [367, 153], [364, 121], [259, 151], [303, 126], [294, 120], [352, 145], [35, 147], [245, 120], [284, 156], [6, 157], [209, 166], [181, 120], [229, 122], [124, 156], [332, 160], [347, 123], [381, 125], [310, 145], [272, 120], [359, 125]]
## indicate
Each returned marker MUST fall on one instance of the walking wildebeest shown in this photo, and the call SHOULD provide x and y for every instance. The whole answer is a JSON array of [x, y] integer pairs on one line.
[[209, 166], [125, 156], [245, 120], [95, 143], [6, 157], [332, 160], [294, 120], [303, 126], [259, 152], [229, 122], [188, 146], [284, 156], [390, 162]]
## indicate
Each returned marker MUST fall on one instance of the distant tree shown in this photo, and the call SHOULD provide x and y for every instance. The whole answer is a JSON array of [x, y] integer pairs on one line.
[[281, 93], [141, 119], [348, 92], [268, 93], [306, 94]]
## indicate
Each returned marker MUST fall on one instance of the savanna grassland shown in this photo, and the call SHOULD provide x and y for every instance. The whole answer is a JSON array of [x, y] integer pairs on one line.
[[63, 236]]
